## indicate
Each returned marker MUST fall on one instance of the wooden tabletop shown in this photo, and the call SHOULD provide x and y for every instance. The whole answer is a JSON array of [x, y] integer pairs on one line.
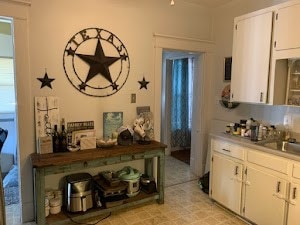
[[62, 158]]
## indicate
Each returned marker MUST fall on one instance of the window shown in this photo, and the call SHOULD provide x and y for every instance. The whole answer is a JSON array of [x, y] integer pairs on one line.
[[7, 77], [7, 85]]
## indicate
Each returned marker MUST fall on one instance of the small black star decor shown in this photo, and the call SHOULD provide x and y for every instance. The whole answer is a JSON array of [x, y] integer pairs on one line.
[[46, 81], [144, 83]]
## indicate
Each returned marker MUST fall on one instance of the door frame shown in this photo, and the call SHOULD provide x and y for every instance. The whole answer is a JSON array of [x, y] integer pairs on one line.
[[18, 11], [201, 125]]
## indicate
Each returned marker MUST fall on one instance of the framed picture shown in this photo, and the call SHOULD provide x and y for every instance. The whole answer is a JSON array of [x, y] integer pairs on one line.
[[111, 122], [83, 125], [227, 68], [77, 135]]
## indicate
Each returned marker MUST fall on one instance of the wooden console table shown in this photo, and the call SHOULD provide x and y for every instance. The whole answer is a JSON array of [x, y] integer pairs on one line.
[[55, 163]]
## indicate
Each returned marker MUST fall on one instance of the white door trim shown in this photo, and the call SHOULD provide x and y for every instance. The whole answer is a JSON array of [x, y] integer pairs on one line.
[[200, 134], [18, 11]]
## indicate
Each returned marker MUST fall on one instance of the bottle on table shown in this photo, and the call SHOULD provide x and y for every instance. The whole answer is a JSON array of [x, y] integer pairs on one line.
[[63, 137], [55, 139]]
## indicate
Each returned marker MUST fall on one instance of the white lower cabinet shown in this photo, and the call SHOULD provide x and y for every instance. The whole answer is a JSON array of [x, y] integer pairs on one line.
[[261, 187], [294, 197], [294, 204], [227, 182], [264, 198]]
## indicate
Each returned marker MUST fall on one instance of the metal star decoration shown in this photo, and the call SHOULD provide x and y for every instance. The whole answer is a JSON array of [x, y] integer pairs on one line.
[[46, 81], [99, 65], [96, 62], [144, 83]]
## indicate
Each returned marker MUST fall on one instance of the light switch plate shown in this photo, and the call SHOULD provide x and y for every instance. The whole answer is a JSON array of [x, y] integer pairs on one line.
[[133, 98]]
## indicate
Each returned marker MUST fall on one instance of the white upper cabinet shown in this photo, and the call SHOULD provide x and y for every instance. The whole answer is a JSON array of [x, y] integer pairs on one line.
[[251, 57], [287, 33]]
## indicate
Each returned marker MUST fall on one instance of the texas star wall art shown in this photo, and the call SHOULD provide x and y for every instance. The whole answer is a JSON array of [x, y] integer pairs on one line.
[[96, 62]]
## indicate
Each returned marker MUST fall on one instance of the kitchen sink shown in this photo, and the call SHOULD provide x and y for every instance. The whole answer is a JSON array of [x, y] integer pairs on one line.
[[292, 147], [284, 146]]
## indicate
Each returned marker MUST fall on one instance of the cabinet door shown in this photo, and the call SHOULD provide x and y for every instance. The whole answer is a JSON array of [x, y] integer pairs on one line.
[[250, 58], [294, 205], [227, 182], [287, 33], [264, 198]]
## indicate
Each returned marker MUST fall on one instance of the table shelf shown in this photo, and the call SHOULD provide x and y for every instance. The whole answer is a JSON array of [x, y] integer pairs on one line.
[[56, 163], [95, 214]]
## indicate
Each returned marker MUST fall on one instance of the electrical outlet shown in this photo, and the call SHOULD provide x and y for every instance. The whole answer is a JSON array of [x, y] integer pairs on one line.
[[287, 120], [133, 98]]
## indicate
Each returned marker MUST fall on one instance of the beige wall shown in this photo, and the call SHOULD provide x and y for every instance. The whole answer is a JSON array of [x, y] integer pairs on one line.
[[53, 23]]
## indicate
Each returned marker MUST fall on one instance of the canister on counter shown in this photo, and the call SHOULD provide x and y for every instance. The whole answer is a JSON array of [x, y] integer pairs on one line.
[[231, 128], [243, 130], [227, 129], [254, 132], [237, 129], [264, 132]]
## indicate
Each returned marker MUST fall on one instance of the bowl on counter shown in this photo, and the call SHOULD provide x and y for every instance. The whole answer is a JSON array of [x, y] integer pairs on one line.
[[106, 144]]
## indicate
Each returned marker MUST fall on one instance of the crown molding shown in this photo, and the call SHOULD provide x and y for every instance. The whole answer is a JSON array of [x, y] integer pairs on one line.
[[20, 2]]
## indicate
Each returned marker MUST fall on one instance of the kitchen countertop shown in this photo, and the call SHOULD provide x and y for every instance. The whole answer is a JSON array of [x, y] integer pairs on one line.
[[250, 144]]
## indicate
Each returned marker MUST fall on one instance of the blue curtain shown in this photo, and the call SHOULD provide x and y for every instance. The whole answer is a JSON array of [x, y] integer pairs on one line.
[[180, 104]]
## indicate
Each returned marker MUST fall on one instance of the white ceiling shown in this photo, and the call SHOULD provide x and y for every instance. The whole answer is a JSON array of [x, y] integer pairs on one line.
[[208, 3]]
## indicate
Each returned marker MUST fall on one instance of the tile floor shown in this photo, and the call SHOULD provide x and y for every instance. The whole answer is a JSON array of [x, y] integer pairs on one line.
[[184, 203]]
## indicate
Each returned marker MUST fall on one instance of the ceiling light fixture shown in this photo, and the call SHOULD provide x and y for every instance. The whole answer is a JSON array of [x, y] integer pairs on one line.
[[172, 2]]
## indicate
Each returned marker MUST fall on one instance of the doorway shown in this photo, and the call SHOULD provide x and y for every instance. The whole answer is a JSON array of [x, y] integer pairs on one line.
[[177, 92], [8, 117], [203, 94]]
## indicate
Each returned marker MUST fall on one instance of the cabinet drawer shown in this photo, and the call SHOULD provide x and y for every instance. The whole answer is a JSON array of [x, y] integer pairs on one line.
[[269, 161], [228, 148], [296, 171]]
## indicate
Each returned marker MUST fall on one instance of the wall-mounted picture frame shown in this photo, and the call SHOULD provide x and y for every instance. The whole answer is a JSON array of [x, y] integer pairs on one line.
[[227, 68], [111, 122]]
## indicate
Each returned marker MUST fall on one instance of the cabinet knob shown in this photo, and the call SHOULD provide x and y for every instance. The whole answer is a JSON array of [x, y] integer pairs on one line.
[[278, 187], [261, 96], [236, 170], [294, 193], [226, 150]]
